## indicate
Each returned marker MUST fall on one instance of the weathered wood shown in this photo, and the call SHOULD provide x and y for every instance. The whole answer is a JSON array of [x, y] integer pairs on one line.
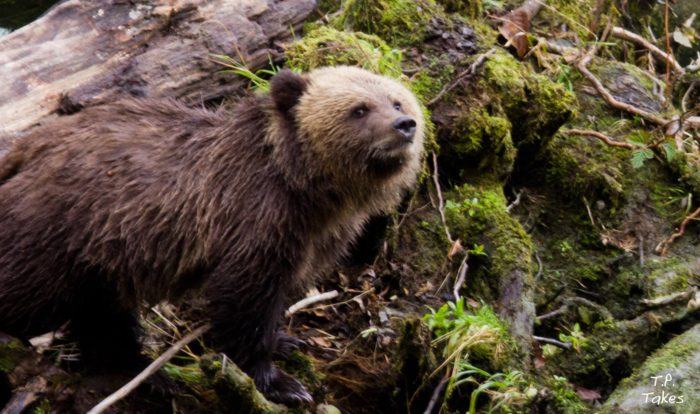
[[80, 52]]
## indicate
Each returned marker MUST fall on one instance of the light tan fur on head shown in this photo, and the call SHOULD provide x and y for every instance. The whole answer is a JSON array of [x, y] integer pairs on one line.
[[350, 147]]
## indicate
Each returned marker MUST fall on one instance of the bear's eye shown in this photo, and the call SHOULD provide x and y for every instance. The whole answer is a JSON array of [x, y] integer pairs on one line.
[[359, 112], [397, 106]]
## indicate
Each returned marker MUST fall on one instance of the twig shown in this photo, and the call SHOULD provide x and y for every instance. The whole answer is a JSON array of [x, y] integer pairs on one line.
[[569, 302], [582, 67], [441, 204], [345, 302], [461, 276], [540, 268], [151, 369], [306, 302], [467, 72], [436, 394], [606, 139], [551, 341], [684, 100], [662, 248], [623, 34], [515, 202]]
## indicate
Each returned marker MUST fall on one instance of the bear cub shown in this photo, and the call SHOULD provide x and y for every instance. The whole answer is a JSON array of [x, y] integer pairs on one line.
[[137, 201]]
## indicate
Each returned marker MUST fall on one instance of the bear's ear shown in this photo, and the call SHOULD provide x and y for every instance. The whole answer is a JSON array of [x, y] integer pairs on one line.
[[286, 88]]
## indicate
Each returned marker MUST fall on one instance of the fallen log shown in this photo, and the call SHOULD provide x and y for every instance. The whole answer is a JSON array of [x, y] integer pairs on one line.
[[81, 52]]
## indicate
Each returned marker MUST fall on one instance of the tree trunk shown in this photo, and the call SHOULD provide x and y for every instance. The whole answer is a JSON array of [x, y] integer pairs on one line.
[[81, 52]]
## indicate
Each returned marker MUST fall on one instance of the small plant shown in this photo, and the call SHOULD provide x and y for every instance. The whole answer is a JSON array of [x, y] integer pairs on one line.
[[470, 206], [255, 78], [466, 333], [504, 389], [575, 337]]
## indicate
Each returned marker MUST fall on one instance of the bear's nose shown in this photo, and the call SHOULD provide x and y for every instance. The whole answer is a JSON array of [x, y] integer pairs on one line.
[[406, 126]]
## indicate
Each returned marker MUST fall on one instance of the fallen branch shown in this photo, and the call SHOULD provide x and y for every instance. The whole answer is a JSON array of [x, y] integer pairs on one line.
[[306, 302], [602, 137], [662, 248], [582, 66], [673, 297], [150, 370], [623, 34]]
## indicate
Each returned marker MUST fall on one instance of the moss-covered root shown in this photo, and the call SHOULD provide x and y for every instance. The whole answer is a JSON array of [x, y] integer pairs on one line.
[[668, 382], [235, 389], [478, 215]]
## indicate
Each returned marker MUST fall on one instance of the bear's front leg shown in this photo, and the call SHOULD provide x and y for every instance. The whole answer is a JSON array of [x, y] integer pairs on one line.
[[244, 323]]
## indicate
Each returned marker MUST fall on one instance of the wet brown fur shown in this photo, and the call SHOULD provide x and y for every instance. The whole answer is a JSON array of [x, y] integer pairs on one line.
[[139, 200]]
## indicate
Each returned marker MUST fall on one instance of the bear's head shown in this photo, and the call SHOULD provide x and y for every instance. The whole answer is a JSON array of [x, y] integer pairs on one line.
[[355, 123]]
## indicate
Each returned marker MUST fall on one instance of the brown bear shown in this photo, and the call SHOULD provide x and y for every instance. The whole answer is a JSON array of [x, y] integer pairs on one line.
[[139, 200]]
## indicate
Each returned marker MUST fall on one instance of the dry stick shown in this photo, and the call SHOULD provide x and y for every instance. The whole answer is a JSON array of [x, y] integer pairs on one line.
[[468, 71], [515, 202], [441, 204], [623, 34], [436, 394], [150, 370], [662, 248], [602, 137], [306, 302], [462, 275], [563, 345]]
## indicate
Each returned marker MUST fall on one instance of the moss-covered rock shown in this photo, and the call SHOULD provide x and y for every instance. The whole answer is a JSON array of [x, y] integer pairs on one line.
[[508, 116], [399, 22], [668, 382], [325, 46], [583, 167], [477, 214]]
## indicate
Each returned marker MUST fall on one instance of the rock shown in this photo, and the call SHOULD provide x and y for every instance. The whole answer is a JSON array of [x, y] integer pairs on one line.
[[668, 382]]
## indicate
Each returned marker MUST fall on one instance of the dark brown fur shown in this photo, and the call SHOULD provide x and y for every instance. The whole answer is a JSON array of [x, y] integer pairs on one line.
[[140, 200]]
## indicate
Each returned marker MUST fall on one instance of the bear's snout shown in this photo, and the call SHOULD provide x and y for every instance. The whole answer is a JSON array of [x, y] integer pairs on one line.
[[406, 127]]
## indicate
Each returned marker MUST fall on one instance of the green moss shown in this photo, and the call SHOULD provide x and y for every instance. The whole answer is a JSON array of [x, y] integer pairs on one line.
[[484, 140], [12, 351], [399, 22], [536, 104], [509, 94], [236, 389], [581, 167], [565, 398], [424, 229], [470, 8], [190, 375], [486, 221], [673, 355], [302, 367], [671, 275], [326, 46], [576, 14]]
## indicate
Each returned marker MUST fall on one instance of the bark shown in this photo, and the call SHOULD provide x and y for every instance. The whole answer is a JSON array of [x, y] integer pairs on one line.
[[81, 52]]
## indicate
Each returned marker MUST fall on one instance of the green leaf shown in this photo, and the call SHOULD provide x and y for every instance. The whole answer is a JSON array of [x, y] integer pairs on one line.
[[640, 156], [670, 151]]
